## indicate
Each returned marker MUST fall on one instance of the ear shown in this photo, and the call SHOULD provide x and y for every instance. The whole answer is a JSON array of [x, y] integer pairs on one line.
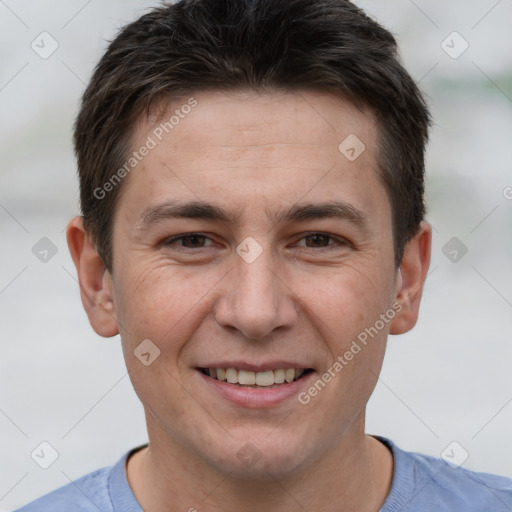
[[94, 278], [411, 278]]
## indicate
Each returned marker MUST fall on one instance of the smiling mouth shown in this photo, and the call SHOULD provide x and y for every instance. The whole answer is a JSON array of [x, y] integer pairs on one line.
[[249, 379]]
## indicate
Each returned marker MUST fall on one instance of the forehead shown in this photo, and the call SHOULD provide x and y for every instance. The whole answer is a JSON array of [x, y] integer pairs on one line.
[[302, 118], [253, 147]]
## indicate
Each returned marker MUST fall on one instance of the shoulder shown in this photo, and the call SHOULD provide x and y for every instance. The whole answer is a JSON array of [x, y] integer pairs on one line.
[[424, 483], [87, 494]]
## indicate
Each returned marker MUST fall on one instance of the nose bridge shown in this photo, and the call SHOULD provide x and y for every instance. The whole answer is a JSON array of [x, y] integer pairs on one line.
[[255, 301], [257, 282], [253, 263]]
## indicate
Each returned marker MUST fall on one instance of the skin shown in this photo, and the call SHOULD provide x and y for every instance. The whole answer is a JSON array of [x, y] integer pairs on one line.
[[304, 299]]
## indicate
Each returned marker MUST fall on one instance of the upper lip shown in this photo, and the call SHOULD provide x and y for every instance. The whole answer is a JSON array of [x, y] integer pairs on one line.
[[255, 367]]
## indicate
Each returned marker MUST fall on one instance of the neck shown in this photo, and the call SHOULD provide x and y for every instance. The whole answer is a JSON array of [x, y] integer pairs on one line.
[[354, 475]]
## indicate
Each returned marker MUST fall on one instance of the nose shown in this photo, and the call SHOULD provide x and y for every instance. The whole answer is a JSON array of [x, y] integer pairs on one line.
[[256, 300]]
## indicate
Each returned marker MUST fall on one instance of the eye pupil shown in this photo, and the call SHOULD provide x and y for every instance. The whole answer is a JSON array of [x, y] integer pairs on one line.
[[197, 240], [318, 237]]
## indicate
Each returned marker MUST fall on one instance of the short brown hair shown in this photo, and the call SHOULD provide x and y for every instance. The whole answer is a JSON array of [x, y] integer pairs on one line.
[[196, 45]]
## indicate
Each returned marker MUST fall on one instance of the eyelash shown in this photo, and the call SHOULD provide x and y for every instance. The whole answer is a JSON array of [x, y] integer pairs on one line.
[[338, 242]]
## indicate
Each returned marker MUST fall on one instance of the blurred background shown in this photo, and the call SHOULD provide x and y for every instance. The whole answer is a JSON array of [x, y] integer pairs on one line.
[[448, 381]]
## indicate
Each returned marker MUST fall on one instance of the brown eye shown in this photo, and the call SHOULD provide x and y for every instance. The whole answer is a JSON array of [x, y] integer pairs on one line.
[[190, 241], [317, 240], [193, 241], [321, 241]]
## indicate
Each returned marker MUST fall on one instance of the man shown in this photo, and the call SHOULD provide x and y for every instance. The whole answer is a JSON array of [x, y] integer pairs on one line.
[[251, 179]]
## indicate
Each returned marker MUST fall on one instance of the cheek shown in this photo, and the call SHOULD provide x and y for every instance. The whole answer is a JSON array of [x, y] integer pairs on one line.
[[345, 314], [162, 304], [347, 301], [159, 303]]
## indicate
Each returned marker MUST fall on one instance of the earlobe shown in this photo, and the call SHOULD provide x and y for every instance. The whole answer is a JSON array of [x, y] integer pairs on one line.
[[411, 278], [95, 281]]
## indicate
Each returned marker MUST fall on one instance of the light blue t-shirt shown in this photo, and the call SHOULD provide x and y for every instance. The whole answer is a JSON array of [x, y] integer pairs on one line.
[[420, 484]]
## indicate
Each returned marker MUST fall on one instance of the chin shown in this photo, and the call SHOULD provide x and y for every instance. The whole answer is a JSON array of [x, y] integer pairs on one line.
[[262, 457]]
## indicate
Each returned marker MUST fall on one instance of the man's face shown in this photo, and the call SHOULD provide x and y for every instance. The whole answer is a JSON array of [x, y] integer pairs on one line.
[[275, 285]]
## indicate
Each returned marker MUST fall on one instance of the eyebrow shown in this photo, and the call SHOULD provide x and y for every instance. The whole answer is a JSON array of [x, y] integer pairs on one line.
[[189, 210], [208, 211]]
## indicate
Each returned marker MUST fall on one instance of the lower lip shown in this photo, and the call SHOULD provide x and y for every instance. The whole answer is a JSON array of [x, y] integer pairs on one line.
[[256, 397]]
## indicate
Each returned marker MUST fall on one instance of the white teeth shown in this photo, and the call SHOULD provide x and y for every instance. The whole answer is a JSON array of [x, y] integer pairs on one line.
[[279, 376], [232, 376], [248, 378], [289, 374], [265, 378]]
